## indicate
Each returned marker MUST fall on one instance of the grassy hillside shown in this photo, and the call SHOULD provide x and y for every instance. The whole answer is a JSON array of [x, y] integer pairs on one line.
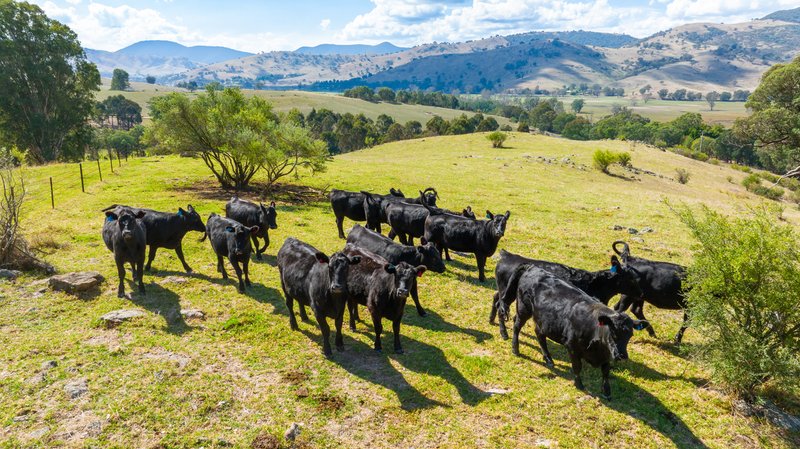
[[663, 111], [283, 101], [166, 381]]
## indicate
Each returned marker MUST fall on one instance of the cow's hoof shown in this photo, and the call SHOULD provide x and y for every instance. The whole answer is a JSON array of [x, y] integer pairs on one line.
[[352, 328], [399, 351], [120, 295], [340, 348], [549, 364], [579, 385], [258, 257], [248, 283], [294, 327], [378, 350], [241, 290], [515, 352], [189, 271], [328, 355], [422, 313]]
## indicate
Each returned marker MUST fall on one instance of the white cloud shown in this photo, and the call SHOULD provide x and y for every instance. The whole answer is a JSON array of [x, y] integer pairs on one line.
[[324, 24]]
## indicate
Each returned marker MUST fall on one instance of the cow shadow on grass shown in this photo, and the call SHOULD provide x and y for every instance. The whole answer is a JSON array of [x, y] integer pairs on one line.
[[163, 302], [471, 273], [269, 259], [436, 323], [627, 397]]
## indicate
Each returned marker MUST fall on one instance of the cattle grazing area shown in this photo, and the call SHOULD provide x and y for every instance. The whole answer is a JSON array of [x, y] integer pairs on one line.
[[215, 362]]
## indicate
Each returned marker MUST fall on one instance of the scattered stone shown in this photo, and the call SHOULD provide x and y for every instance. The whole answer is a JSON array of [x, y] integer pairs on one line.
[[9, 274], [770, 411], [193, 313], [292, 432], [38, 378], [118, 316], [637, 239], [174, 280], [48, 365], [633, 231], [302, 392], [38, 433], [618, 228], [76, 282], [222, 442], [24, 415], [180, 360], [541, 442], [76, 388], [645, 230], [498, 391]]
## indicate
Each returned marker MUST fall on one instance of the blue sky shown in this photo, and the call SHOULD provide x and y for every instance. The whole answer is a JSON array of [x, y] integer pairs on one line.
[[269, 25]]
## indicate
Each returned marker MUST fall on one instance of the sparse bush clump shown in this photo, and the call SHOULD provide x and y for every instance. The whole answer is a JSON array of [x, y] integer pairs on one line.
[[497, 138], [753, 184], [682, 175], [743, 291], [603, 159]]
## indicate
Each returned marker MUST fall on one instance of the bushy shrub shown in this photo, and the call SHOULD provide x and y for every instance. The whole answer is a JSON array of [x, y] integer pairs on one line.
[[497, 138], [743, 291], [602, 159], [682, 175], [523, 127], [743, 168], [753, 184]]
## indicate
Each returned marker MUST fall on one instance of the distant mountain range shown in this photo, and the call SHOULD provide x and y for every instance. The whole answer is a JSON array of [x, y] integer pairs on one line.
[[333, 49], [698, 56]]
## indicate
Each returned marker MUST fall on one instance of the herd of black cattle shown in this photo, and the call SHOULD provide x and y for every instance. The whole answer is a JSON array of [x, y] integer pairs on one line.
[[568, 305]]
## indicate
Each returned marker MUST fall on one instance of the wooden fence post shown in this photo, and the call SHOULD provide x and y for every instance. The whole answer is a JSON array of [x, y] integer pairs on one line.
[[83, 189], [100, 172], [52, 198]]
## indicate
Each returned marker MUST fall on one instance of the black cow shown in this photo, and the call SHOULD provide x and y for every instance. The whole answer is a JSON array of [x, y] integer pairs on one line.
[[425, 254], [381, 286], [231, 239], [565, 314], [601, 285], [315, 280], [166, 230], [661, 285], [351, 205], [126, 236], [252, 214], [479, 237], [375, 205]]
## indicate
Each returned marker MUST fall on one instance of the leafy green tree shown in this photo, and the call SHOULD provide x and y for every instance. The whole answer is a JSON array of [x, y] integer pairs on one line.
[[577, 129], [497, 138], [725, 96], [774, 123], [577, 105], [663, 94], [235, 136], [46, 84], [743, 291], [120, 80], [712, 98], [150, 79], [461, 125], [395, 132], [413, 128], [117, 111], [487, 124], [386, 94], [542, 116], [561, 120], [383, 122]]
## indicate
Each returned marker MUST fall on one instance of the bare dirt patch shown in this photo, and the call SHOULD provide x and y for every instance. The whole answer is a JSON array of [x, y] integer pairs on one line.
[[294, 377], [257, 191], [328, 402]]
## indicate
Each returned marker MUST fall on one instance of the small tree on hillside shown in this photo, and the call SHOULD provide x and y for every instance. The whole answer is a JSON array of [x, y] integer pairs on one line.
[[497, 138], [119, 80], [150, 79], [577, 105], [712, 98], [235, 136]]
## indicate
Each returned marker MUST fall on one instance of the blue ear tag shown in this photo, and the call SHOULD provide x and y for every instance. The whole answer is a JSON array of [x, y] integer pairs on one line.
[[488, 216], [109, 218], [640, 326], [613, 268], [180, 212]]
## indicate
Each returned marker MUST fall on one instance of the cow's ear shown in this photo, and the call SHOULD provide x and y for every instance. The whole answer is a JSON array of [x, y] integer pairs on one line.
[[605, 320], [181, 212], [489, 215], [111, 216], [389, 268], [420, 270], [321, 257], [230, 229], [640, 324], [272, 204], [354, 260], [615, 265], [254, 229], [508, 214], [469, 208], [190, 209], [423, 241], [140, 214]]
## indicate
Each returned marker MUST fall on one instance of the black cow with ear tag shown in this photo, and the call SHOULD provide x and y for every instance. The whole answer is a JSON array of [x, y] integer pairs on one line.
[[125, 235], [231, 239]]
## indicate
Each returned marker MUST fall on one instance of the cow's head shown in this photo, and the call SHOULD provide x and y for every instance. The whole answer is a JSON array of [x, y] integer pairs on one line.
[[625, 279], [468, 213], [618, 328], [338, 267], [430, 195], [405, 276], [396, 192], [240, 238], [428, 255], [498, 223], [192, 218], [268, 216], [125, 221]]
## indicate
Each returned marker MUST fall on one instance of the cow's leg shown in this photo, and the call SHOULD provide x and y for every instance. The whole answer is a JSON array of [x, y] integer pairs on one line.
[[501, 323], [140, 273], [378, 228], [606, 369], [447, 255], [624, 302], [638, 311], [238, 271], [415, 297], [179, 253], [410, 240], [401, 236], [326, 333], [221, 267], [121, 274], [679, 335], [133, 271], [352, 309], [338, 321], [493, 312], [392, 234], [246, 269], [339, 222], [290, 306], [481, 266], [152, 255], [523, 315], [398, 349], [303, 315], [542, 338], [577, 365], [378, 325], [255, 245]]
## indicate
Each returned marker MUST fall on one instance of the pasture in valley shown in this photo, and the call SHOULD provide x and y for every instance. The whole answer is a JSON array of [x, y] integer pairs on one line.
[[164, 380]]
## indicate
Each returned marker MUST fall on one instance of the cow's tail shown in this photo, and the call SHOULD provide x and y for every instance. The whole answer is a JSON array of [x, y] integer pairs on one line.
[[203, 238], [626, 250], [507, 296]]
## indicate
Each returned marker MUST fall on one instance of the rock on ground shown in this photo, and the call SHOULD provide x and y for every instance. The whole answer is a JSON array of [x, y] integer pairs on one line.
[[76, 388], [9, 274], [76, 282], [193, 313], [117, 316]]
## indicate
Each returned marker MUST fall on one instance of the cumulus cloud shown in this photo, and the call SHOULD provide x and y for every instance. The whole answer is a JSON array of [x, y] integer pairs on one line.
[[324, 24]]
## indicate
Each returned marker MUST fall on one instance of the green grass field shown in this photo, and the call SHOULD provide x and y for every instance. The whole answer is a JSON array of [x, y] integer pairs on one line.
[[724, 113], [168, 382], [284, 101]]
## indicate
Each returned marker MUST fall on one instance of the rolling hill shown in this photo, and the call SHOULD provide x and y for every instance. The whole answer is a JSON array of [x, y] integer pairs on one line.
[[333, 49]]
